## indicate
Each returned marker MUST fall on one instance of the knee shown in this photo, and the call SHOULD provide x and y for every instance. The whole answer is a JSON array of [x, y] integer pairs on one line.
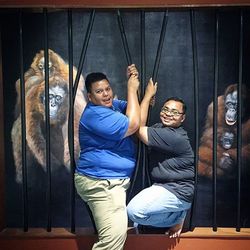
[[116, 236], [120, 233], [131, 211], [112, 239], [134, 213]]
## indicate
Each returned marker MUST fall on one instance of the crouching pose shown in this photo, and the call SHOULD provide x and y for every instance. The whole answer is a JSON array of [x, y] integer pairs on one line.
[[171, 165]]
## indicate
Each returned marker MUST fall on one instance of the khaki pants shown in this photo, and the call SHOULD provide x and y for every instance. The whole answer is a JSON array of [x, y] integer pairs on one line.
[[107, 201]]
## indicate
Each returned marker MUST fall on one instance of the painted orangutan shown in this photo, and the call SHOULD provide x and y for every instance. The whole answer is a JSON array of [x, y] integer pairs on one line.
[[226, 135]]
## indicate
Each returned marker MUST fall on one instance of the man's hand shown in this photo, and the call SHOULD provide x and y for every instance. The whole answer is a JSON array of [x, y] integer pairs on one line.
[[152, 101], [132, 70], [151, 89], [133, 107], [133, 83]]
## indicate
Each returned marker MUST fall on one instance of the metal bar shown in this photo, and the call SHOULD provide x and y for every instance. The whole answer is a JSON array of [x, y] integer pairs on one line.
[[142, 90], [159, 52], [145, 157], [143, 54], [71, 122], [141, 146], [160, 46], [215, 125], [78, 75], [154, 77], [83, 52], [124, 38], [196, 105], [239, 122], [23, 124], [147, 173], [47, 119]]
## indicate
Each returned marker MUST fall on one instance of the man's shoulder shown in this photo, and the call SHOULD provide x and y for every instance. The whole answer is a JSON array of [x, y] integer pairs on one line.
[[96, 109], [157, 125], [161, 127], [181, 130], [119, 105], [176, 134], [94, 113]]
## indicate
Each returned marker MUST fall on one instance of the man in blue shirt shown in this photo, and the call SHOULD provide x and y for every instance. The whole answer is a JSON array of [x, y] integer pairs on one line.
[[107, 156]]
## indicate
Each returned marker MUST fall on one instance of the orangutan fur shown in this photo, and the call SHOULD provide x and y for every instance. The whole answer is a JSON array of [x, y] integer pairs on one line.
[[36, 73], [35, 113], [226, 156]]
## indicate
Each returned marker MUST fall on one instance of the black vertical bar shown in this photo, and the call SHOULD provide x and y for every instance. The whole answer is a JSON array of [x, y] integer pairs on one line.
[[160, 46], [141, 146], [124, 38], [143, 54], [154, 78], [215, 113], [23, 121], [129, 62], [142, 91], [83, 52], [239, 123], [159, 52], [71, 122], [196, 104], [76, 82], [46, 63]]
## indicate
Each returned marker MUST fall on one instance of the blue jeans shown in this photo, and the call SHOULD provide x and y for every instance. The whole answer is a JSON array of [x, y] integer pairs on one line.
[[156, 206]]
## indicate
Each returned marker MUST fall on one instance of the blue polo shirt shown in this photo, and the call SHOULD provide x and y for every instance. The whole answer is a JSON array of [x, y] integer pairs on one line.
[[105, 153]]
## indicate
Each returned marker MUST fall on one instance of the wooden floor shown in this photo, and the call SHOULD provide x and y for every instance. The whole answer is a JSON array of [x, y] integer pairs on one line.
[[84, 238]]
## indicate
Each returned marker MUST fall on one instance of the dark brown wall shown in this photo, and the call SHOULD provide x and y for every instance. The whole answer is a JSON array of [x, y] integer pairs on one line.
[[120, 3], [138, 242]]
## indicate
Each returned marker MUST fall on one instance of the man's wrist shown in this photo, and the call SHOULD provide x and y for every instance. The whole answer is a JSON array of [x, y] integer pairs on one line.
[[147, 97], [132, 89]]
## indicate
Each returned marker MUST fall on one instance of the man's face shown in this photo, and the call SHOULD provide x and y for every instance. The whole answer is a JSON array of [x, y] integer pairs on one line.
[[171, 114], [101, 93]]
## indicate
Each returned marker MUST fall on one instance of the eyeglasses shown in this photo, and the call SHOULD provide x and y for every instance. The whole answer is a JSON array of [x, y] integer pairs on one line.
[[173, 112]]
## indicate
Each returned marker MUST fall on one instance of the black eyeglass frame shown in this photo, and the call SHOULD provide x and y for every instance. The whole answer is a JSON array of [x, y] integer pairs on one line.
[[173, 112]]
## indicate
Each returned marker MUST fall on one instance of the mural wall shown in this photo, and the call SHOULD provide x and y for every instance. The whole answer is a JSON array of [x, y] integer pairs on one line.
[[105, 53]]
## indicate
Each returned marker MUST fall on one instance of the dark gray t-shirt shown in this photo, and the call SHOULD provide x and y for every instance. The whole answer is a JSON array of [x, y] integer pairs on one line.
[[172, 160]]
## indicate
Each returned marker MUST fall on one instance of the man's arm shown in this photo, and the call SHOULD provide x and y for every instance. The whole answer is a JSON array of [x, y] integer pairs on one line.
[[133, 107], [149, 94]]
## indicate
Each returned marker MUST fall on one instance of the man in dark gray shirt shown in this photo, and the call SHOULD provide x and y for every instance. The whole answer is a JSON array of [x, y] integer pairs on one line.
[[166, 202]]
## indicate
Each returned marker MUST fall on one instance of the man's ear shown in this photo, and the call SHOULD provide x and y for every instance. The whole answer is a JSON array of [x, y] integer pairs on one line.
[[89, 96], [183, 118]]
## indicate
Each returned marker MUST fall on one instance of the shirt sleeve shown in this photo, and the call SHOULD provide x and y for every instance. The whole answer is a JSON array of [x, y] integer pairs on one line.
[[107, 123], [120, 105]]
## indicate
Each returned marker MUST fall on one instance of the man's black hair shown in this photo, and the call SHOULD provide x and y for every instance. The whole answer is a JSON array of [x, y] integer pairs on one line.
[[94, 77], [177, 99]]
